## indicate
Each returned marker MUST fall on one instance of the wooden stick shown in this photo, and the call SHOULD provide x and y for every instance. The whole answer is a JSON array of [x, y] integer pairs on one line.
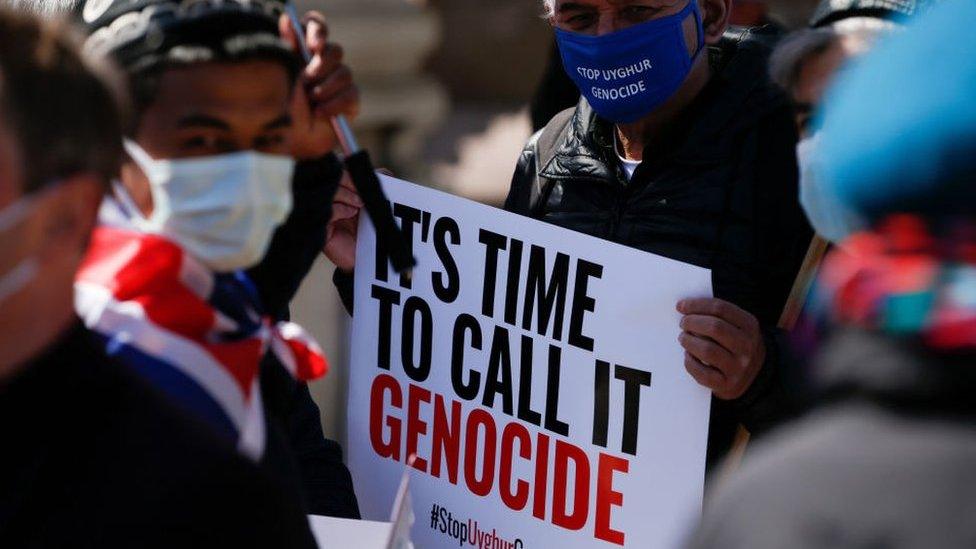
[[803, 283], [787, 321]]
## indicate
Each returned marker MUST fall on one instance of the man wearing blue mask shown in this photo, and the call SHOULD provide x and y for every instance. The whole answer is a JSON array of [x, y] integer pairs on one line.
[[681, 147], [212, 224]]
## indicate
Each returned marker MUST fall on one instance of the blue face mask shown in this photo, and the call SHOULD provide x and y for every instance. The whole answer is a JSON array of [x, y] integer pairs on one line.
[[628, 74]]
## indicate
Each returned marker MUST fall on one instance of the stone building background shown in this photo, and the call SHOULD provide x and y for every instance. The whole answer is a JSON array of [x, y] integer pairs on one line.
[[445, 87]]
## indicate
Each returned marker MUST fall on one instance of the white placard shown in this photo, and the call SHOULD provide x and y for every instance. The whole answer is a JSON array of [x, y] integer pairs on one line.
[[333, 532], [534, 372]]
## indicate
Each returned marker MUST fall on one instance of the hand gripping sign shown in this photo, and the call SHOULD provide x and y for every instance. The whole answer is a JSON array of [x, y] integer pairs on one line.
[[535, 374]]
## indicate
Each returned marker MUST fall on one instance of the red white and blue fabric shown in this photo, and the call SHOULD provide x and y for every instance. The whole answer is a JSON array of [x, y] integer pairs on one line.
[[909, 277], [196, 335]]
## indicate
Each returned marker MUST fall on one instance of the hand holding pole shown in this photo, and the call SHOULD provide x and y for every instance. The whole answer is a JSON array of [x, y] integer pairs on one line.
[[363, 175]]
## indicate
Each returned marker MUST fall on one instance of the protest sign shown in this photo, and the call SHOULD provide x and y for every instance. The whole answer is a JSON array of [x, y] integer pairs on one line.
[[367, 534], [536, 375]]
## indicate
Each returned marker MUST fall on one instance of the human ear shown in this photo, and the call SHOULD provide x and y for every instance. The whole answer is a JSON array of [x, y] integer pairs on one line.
[[715, 19], [68, 215]]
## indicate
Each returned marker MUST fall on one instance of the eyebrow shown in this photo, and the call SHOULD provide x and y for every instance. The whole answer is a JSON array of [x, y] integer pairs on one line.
[[572, 6], [283, 121], [576, 6], [207, 121], [202, 121]]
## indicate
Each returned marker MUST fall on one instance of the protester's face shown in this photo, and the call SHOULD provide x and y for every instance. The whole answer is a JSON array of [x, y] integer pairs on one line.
[[40, 250], [814, 78], [211, 109], [219, 108]]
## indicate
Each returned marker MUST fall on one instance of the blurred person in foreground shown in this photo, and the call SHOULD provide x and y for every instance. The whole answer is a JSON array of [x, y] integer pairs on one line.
[[805, 64], [887, 458], [681, 147], [216, 217], [92, 457]]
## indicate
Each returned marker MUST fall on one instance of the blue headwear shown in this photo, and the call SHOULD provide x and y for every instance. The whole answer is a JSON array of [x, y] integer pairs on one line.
[[899, 130]]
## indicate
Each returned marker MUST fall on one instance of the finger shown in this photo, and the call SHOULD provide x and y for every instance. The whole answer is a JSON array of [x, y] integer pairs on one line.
[[716, 307], [347, 104], [342, 211], [347, 183], [704, 375], [347, 197], [332, 55], [332, 86], [324, 63], [708, 352], [349, 225], [717, 329], [316, 31]]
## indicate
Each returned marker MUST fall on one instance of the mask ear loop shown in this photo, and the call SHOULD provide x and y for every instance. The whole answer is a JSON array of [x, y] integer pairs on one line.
[[138, 154], [27, 269], [16, 212], [699, 29], [126, 201], [145, 162]]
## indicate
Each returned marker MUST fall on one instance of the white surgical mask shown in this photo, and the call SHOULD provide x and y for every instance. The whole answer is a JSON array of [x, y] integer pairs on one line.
[[221, 209], [829, 217], [26, 270]]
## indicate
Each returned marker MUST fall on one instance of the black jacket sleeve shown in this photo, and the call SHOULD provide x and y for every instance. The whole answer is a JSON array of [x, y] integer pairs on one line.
[[298, 452], [328, 484], [519, 194], [297, 243], [784, 238], [324, 479]]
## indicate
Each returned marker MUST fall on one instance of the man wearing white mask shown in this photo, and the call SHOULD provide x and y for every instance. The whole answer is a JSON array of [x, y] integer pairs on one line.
[[172, 279]]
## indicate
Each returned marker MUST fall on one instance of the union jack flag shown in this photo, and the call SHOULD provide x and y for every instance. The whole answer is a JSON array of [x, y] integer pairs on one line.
[[196, 335]]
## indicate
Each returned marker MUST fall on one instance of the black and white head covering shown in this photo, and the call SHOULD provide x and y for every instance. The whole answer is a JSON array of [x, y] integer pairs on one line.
[[146, 34], [829, 12]]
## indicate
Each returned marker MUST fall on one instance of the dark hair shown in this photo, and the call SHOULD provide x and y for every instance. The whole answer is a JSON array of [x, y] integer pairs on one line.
[[65, 112], [796, 48]]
